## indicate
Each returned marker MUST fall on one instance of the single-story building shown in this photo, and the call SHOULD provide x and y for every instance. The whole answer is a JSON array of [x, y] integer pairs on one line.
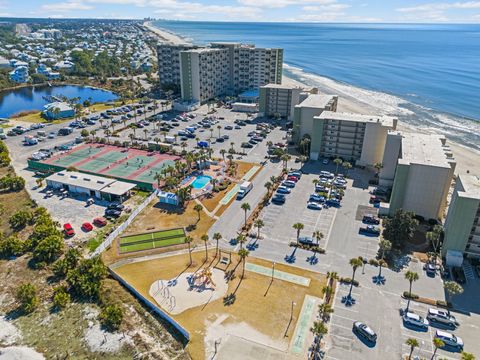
[[90, 185], [58, 110]]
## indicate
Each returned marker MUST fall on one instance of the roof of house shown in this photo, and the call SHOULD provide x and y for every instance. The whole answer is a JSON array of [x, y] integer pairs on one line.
[[63, 106], [92, 182]]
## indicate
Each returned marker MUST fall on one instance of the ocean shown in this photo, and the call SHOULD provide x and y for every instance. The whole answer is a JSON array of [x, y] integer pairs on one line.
[[427, 75]]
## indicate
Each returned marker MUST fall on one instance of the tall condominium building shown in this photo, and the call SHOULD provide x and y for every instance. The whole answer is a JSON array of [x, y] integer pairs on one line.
[[279, 100], [420, 169], [462, 224], [169, 65], [246, 67]]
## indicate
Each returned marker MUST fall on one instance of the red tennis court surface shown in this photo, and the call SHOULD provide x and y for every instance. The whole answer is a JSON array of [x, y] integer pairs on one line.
[[117, 162]]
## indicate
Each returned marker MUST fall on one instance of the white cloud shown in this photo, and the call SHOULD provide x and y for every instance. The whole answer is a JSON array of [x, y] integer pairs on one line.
[[283, 3], [188, 10], [330, 7], [441, 6], [66, 6]]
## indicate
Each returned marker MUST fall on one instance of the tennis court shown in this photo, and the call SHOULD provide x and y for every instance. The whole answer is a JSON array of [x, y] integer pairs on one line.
[[101, 162], [149, 176], [152, 240], [73, 157], [129, 167]]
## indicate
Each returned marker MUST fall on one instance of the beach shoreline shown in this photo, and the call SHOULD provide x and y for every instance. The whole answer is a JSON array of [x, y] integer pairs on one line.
[[357, 100]]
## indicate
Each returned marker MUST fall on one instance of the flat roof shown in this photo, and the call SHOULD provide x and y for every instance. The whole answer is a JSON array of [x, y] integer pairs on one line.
[[316, 101], [92, 182], [205, 50], [331, 115], [471, 185], [281, 86], [424, 149]]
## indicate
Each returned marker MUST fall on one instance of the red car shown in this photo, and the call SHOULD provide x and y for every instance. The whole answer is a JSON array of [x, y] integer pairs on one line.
[[100, 221], [68, 230], [86, 226], [292, 178]]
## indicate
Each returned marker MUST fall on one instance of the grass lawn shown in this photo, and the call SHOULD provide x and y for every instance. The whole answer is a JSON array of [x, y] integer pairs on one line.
[[259, 304], [152, 240], [157, 235]]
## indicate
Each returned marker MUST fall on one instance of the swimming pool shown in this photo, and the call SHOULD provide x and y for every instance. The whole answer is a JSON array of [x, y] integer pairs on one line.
[[200, 181]]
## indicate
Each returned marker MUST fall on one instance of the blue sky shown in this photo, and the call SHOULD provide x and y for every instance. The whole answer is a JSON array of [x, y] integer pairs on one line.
[[442, 11]]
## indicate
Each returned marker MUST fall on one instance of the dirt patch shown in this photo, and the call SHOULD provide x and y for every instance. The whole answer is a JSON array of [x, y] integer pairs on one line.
[[211, 202], [258, 303]]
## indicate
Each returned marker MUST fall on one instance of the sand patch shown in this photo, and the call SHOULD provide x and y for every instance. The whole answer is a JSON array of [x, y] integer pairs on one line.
[[20, 353], [9, 334], [182, 293]]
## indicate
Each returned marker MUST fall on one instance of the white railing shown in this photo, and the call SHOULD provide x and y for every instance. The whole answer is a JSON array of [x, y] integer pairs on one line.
[[109, 239]]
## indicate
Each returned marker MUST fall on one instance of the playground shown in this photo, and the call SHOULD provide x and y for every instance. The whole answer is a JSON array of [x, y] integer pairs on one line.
[[151, 240], [113, 161], [212, 301]]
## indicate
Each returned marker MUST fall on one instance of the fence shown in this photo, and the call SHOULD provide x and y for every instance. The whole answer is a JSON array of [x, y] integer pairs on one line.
[[108, 241], [180, 330]]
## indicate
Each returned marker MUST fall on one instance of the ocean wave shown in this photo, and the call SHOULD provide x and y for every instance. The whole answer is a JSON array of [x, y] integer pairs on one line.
[[462, 130]]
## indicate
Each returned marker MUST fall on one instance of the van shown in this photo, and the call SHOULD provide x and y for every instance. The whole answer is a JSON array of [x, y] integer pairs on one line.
[[41, 133], [65, 131]]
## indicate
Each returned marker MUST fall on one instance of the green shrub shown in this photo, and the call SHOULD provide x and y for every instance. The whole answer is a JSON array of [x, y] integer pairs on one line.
[[111, 317], [442, 303], [27, 297], [49, 249], [411, 296], [11, 246], [348, 280], [20, 219], [61, 297], [86, 279]]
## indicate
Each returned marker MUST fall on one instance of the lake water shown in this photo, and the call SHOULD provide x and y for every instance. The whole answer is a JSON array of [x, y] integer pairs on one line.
[[430, 71], [32, 98]]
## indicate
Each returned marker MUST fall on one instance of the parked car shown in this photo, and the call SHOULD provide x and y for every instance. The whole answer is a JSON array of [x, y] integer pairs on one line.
[[333, 202], [292, 178], [325, 161], [442, 317], [278, 199], [314, 205], [86, 226], [297, 174], [316, 198], [374, 200], [370, 219], [100, 221], [116, 206], [283, 190], [430, 269], [416, 320], [370, 229], [228, 127], [112, 213], [68, 230], [246, 145], [305, 240], [289, 183], [365, 331], [450, 340]]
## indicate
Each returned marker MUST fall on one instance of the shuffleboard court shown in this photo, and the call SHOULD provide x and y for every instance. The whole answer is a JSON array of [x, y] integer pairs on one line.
[[76, 156], [277, 274], [101, 162], [152, 240]]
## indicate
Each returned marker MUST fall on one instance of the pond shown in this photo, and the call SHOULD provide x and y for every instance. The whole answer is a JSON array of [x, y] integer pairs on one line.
[[34, 98]]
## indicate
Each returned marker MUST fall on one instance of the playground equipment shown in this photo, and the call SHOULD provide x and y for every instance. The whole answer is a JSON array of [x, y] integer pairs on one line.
[[203, 278]]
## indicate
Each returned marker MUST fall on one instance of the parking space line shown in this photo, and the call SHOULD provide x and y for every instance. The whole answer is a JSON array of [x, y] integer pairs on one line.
[[342, 337], [346, 309], [340, 326], [342, 317]]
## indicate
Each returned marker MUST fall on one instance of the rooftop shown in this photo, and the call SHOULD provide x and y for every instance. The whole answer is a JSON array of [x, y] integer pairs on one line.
[[63, 106], [92, 182], [424, 149], [280, 86], [471, 185], [317, 101], [385, 120]]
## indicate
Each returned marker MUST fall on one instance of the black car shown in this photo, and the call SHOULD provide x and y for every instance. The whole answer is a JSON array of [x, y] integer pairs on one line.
[[278, 199], [459, 275], [112, 213], [370, 219], [116, 206], [305, 240], [246, 145]]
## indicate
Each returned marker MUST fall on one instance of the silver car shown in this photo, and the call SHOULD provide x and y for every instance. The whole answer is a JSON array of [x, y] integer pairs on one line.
[[441, 317], [415, 320]]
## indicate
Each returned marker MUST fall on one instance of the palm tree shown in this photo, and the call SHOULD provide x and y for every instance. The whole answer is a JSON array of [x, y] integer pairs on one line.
[[183, 144], [269, 186], [219, 128], [285, 158], [299, 227], [337, 162], [241, 239], [452, 288], [384, 246], [232, 144], [434, 238], [204, 238], [318, 236], [378, 166], [217, 236], [347, 166], [355, 263], [223, 152], [245, 207], [189, 240], [411, 276], [319, 329], [145, 131], [325, 309], [198, 208], [331, 276], [413, 343], [259, 224], [243, 253], [437, 343], [467, 356]]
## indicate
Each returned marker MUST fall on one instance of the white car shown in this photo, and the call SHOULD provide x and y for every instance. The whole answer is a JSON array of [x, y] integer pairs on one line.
[[415, 320], [449, 339], [442, 317], [314, 205], [325, 161], [283, 190]]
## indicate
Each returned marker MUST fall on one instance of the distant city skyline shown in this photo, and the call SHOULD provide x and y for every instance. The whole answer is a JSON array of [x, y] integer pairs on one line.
[[369, 11]]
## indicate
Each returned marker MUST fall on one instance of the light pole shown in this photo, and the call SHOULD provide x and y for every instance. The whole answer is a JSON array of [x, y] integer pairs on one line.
[[273, 270], [291, 318]]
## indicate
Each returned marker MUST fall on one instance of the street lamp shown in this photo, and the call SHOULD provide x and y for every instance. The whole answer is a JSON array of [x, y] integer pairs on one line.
[[273, 270]]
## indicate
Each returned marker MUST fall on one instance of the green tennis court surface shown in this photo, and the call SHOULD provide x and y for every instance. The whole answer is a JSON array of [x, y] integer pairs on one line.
[[76, 156], [149, 174], [102, 161], [128, 167], [152, 240]]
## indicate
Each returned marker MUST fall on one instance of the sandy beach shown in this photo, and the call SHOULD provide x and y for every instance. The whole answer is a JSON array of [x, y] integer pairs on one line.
[[361, 101]]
